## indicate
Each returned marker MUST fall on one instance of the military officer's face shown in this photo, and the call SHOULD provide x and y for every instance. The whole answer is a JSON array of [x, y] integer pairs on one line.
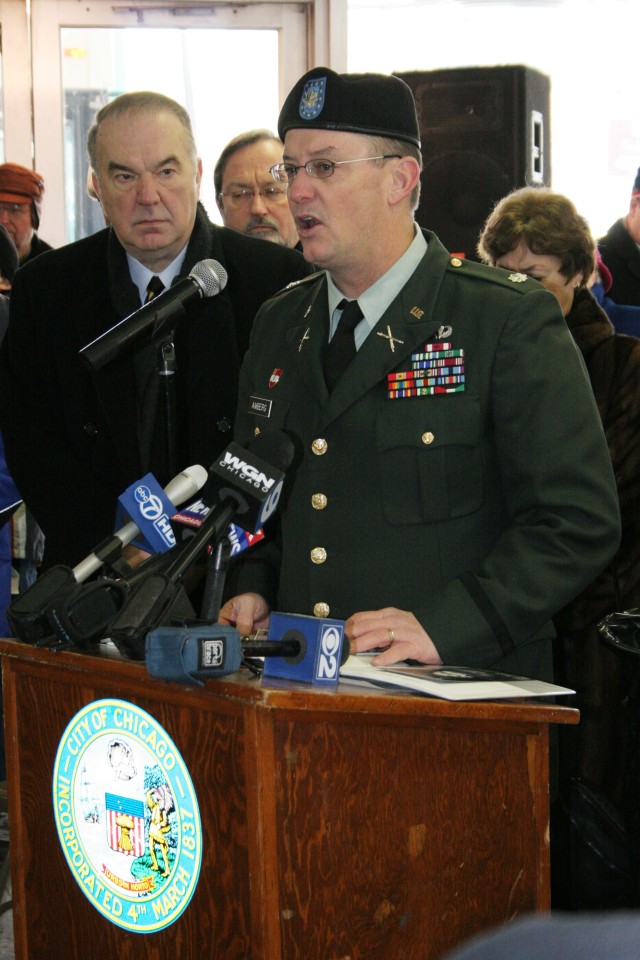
[[148, 181], [339, 219], [544, 268]]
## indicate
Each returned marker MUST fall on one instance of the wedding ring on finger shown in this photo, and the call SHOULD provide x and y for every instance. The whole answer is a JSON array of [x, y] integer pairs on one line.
[[392, 635]]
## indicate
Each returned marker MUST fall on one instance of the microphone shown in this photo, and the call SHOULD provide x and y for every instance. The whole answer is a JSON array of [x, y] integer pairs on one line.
[[252, 478], [236, 541], [245, 486], [207, 279], [183, 486], [57, 605], [307, 649]]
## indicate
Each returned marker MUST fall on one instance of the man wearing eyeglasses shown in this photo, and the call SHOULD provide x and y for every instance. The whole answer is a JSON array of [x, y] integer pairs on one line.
[[453, 486], [248, 198]]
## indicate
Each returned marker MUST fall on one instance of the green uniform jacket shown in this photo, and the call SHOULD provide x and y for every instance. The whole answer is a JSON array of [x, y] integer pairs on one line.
[[482, 511]]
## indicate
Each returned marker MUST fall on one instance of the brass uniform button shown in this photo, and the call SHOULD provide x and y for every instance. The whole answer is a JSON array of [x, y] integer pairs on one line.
[[456, 262], [319, 446], [318, 501], [428, 437], [321, 609], [318, 555]]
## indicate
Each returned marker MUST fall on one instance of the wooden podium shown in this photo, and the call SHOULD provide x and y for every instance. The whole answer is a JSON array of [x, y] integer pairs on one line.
[[338, 824]]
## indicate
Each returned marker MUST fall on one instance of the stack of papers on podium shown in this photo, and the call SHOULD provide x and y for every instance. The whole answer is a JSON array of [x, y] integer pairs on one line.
[[448, 682]]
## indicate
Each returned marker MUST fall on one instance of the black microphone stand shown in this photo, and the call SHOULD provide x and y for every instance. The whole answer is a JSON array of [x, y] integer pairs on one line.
[[217, 566], [166, 370]]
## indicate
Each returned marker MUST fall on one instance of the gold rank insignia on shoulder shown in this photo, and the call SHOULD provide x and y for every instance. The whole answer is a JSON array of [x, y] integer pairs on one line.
[[517, 277]]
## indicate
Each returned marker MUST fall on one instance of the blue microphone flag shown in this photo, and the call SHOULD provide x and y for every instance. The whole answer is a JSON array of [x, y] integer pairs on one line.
[[149, 507]]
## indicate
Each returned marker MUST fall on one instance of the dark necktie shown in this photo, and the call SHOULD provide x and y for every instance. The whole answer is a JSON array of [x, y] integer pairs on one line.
[[341, 349], [154, 287]]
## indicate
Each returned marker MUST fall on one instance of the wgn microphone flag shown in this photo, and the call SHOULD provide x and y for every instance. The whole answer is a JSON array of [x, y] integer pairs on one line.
[[254, 477]]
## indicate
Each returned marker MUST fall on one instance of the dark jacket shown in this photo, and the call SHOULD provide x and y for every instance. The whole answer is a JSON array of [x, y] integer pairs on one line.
[[481, 511], [71, 434], [601, 679], [37, 247], [613, 364], [621, 254]]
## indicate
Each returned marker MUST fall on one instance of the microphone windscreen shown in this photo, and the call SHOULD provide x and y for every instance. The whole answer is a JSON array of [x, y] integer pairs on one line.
[[211, 277]]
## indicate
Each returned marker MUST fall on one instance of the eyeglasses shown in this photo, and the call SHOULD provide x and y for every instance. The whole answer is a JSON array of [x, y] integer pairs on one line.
[[15, 208], [317, 169], [237, 198]]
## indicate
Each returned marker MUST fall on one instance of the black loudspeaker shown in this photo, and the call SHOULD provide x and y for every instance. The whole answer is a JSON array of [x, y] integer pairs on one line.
[[484, 131]]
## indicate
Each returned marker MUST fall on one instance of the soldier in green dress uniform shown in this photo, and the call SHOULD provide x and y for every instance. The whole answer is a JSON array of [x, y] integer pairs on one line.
[[452, 487]]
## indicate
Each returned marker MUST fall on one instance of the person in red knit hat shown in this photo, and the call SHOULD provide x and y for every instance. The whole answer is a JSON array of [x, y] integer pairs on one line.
[[21, 193]]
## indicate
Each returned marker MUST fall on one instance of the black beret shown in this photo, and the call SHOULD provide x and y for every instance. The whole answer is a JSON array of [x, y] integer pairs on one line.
[[370, 103]]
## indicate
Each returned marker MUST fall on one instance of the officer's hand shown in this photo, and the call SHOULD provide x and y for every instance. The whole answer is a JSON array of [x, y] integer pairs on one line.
[[397, 631], [247, 612]]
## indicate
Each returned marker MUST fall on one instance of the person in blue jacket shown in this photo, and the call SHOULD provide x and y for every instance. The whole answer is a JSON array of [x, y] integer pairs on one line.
[[10, 500]]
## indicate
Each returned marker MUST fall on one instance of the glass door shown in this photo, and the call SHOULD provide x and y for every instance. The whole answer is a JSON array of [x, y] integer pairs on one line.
[[225, 65]]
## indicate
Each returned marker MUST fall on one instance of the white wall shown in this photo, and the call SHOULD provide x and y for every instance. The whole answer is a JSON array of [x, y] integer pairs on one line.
[[589, 48]]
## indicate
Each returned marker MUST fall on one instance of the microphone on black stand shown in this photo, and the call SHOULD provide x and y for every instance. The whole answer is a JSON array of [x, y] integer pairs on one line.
[[301, 648], [244, 486], [277, 450], [207, 279], [61, 608]]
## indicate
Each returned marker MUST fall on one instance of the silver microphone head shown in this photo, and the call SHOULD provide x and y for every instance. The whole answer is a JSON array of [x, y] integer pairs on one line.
[[210, 276]]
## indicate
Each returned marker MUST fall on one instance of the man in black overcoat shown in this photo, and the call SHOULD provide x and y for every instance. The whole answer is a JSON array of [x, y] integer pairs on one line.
[[75, 437]]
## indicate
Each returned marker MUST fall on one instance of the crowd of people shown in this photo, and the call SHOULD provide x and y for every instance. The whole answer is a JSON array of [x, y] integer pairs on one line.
[[465, 484]]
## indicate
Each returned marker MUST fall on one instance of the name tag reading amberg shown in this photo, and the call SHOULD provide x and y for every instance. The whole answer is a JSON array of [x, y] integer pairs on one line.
[[260, 406]]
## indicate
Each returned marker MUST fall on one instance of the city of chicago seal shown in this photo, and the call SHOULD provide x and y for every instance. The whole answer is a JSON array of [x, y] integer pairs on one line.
[[127, 815]]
